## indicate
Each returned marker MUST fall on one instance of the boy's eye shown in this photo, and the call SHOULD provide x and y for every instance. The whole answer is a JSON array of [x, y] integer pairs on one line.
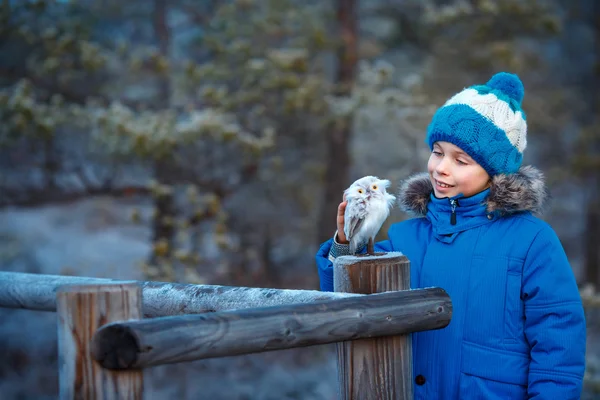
[[437, 153], [461, 162]]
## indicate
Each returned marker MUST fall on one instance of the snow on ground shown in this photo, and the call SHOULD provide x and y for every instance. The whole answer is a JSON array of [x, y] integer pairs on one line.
[[96, 238]]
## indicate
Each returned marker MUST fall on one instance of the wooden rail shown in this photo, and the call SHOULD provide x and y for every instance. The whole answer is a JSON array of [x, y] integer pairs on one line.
[[104, 340], [160, 299], [144, 343]]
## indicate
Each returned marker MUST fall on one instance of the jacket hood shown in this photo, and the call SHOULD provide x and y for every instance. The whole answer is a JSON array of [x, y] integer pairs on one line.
[[525, 190]]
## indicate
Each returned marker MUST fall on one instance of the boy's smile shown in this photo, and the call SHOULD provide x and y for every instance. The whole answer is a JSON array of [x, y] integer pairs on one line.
[[441, 188], [452, 172]]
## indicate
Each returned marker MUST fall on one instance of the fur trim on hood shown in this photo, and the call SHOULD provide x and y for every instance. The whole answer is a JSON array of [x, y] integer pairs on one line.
[[524, 190]]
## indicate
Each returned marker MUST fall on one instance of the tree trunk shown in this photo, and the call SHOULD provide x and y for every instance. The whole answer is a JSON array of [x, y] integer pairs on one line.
[[338, 158], [592, 230], [592, 238], [163, 35], [164, 203]]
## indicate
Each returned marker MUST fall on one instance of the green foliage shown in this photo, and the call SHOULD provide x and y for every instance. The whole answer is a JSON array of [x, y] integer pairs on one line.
[[22, 115], [209, 121], [232, 99], [485, 34]]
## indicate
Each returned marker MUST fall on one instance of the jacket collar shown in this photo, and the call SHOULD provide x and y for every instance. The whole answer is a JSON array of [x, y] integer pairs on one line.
[[524, 190], [508, 194]]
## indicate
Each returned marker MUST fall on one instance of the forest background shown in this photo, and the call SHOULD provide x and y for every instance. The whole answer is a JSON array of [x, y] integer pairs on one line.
[[210, 142]]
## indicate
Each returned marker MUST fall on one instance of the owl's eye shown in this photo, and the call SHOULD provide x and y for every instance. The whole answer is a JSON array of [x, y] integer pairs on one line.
[[374, 187], [361, 191]]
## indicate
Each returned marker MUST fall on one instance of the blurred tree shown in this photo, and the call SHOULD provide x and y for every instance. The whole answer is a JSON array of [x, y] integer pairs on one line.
[[587, 163], [338, 160], [99, 98], [232, 117]]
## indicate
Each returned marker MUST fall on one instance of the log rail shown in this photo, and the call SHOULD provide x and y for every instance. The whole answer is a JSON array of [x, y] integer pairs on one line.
[[109, 330]]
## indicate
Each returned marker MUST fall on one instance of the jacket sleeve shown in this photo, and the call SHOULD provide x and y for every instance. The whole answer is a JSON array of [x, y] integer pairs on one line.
[[325, 262], [554, 321]]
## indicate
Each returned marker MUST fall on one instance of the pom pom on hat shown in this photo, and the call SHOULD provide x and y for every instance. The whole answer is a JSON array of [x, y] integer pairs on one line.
[[509, 84], [487, 122]]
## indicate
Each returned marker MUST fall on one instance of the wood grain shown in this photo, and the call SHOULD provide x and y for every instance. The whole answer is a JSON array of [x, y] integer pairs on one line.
[[81, 311], [160, 299], [377, 368], [157, 341]]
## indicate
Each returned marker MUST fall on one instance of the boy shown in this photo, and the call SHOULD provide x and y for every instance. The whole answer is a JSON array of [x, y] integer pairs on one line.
[[518, 328]]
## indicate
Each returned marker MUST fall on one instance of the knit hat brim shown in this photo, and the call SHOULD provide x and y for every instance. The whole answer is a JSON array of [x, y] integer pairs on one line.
[[476, 135]]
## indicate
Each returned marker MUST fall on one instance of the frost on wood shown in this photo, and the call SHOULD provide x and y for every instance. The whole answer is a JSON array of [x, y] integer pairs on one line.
[[38, 292]]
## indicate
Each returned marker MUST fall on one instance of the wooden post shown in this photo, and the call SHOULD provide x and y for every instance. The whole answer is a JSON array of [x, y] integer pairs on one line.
[[377, 368], [81, 311]]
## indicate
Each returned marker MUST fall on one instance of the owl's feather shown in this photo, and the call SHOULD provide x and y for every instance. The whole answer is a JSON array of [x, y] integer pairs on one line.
[[368, 206], [354, 217]]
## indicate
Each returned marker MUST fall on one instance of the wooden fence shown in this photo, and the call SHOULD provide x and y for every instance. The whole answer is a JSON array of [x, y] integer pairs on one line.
[[108, 330]]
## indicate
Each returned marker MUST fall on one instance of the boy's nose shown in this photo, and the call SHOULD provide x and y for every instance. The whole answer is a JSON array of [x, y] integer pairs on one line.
[[442, 166]]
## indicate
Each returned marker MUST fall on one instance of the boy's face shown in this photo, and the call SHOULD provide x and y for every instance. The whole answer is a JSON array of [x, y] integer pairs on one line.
[[452, 171]]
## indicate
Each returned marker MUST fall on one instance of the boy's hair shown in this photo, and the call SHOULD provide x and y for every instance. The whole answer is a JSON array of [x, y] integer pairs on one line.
[[487, 122]]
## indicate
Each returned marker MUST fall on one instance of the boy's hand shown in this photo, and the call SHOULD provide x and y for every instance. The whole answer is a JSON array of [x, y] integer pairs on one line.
[[341, 237]]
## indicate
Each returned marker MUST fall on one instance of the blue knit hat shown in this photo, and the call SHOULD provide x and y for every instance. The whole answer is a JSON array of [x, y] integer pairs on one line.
[[487, 122]]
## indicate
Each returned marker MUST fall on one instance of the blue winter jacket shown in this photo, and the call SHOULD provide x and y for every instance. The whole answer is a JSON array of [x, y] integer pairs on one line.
[[518, 327]]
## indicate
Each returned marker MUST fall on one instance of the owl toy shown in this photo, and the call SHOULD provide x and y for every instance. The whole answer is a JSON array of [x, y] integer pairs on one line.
[[368, 207]]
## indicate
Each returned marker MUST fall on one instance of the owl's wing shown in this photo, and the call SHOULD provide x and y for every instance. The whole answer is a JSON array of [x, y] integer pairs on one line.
[[354, 218]]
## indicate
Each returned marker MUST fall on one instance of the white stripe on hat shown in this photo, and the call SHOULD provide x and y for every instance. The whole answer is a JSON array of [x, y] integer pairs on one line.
[[498, 112]]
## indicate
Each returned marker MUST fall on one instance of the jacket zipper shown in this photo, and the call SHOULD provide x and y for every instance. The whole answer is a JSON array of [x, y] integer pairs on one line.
[[453, 204]]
